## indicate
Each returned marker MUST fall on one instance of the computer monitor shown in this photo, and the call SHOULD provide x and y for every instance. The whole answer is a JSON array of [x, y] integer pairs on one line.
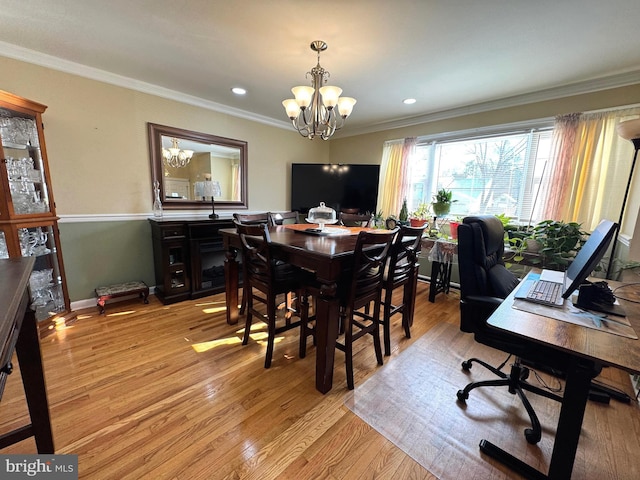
[[589, 256]]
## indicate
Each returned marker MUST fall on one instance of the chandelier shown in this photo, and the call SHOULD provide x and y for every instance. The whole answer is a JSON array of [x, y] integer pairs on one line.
[[318, 110], [174, 157]]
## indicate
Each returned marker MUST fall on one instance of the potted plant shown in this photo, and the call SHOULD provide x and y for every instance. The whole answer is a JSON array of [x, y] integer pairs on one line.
[[404, 212], [559, 242], [442, 202], [420, 216]]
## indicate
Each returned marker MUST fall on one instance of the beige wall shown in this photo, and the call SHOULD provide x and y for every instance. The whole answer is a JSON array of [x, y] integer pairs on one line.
[[98, 152], [98, 149]]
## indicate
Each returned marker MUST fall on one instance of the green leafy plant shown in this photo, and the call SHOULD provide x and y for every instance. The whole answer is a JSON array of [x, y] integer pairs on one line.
[[443, 196], [559, 242], [422, 212], [442, 202]]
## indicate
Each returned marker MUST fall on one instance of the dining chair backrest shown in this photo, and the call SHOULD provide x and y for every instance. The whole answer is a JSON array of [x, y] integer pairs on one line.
[[355, 220], [282, 218], [251, 218], [370, 256], [403, 257]]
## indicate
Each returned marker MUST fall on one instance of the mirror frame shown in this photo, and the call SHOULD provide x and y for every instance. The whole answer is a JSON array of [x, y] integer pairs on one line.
[[156, 132]]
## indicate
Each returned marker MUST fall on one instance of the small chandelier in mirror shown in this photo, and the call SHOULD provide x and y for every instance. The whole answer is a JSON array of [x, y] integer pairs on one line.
[[174, 157], [318, 110]]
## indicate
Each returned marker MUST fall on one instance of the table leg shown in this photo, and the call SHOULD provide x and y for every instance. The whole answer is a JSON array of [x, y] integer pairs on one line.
[[440, 279], [30, 360], [327, 314], [231, 285], [574, 402]]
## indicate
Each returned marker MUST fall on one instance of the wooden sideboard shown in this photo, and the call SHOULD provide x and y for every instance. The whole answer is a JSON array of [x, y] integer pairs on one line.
[[19, 332], [188, 257]]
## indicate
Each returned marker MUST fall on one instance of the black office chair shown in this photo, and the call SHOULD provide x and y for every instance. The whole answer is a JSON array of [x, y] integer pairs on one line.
[[484, 283]]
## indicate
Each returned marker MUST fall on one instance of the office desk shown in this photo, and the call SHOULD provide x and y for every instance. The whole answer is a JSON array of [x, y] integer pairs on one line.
[[328, 256], [19, 331], [587, 350]]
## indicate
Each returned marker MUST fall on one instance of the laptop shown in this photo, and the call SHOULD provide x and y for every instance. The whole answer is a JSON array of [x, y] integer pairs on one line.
[[552, 288]]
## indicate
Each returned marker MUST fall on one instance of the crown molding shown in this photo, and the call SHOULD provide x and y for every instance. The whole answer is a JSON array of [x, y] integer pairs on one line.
[[55, 63], [579, 88], [589, 86]]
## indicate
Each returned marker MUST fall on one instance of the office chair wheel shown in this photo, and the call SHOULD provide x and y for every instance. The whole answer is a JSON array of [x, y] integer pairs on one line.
[[524, 374], [532, 436], [466, 365], [462, 395]]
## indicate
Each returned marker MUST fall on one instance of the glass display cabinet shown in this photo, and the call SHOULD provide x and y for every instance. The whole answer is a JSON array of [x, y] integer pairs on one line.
[[28, 221]]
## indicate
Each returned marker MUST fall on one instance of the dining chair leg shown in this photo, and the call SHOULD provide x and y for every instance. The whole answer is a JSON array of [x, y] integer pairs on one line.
[[376, 333], [247, 324], [386, 321], [348, 350], [303, 311], [271, 332]]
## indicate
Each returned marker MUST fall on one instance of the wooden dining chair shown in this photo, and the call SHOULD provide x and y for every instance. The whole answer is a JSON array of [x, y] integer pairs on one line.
[[265, 279], [360, 295], [251, 218], [355, 219], [401, 271], [277, 218]]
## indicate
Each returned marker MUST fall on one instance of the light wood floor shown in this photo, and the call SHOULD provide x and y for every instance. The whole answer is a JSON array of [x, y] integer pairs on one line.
[[168, 392]]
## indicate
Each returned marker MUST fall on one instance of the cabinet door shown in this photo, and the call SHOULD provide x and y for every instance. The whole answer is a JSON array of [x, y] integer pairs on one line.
[[24, 178]]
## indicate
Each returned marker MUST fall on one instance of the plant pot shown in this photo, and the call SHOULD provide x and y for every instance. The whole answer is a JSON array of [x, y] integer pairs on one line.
[[441, 209], [453, 229], [417, 222]]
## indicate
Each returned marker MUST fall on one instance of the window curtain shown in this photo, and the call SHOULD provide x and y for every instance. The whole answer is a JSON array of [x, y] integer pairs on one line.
[[589, 168], [394, 178], [235, 182]]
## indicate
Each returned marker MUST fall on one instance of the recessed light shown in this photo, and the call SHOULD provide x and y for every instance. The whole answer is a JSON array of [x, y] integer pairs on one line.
[[409, 101], [239, 90]]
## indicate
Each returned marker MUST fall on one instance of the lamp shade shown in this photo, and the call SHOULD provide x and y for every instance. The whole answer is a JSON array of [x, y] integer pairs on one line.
[[629, 130]]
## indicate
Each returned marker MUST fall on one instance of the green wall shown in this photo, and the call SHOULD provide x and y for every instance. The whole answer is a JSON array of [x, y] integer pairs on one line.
[[103, 253]]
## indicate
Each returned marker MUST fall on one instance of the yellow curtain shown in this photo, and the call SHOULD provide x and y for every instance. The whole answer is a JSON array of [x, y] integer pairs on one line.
[[394, 181], [589, 169], [235, 182]]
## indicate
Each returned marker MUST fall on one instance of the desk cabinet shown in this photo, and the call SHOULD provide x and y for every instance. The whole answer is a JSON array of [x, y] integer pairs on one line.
[[188, 257], [28, 221]]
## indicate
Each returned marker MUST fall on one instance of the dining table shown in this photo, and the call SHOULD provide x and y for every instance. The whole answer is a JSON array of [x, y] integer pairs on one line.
[[328, 254]]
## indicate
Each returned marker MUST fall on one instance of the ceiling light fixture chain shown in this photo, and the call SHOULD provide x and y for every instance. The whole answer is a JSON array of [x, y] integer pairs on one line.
[[318, 110]]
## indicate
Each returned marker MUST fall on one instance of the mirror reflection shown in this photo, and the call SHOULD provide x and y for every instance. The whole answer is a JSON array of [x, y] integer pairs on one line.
[[192, 167]]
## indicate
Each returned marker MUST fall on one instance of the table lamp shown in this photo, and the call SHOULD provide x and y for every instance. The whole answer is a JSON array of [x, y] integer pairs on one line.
[[209, 188]]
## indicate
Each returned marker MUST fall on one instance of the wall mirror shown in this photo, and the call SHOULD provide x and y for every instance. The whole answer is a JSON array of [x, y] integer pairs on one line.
[[191, 166]]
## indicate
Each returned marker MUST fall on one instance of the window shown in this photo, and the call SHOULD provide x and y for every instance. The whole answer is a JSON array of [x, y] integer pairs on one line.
[[491, 174]]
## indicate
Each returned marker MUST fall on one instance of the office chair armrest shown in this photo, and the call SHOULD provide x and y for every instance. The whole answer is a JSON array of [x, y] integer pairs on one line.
[[475, 310]]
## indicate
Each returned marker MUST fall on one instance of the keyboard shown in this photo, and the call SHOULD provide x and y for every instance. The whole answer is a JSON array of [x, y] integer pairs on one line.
[[548, 293]]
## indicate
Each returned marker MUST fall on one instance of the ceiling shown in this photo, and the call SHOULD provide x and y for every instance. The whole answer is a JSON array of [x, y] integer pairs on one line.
[[452, 56]]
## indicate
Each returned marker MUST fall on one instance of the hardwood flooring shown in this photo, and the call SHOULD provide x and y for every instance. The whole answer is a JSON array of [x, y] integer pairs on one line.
[[168, 392]]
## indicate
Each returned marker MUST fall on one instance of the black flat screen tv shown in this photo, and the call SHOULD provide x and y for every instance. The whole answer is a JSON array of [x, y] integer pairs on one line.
[[353, 186]]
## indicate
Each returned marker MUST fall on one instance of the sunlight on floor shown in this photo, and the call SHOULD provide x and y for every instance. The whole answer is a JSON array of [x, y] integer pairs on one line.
[[258, 334]]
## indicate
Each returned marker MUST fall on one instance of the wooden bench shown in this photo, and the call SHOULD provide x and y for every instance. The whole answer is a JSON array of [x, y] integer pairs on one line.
[[121, 290]]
